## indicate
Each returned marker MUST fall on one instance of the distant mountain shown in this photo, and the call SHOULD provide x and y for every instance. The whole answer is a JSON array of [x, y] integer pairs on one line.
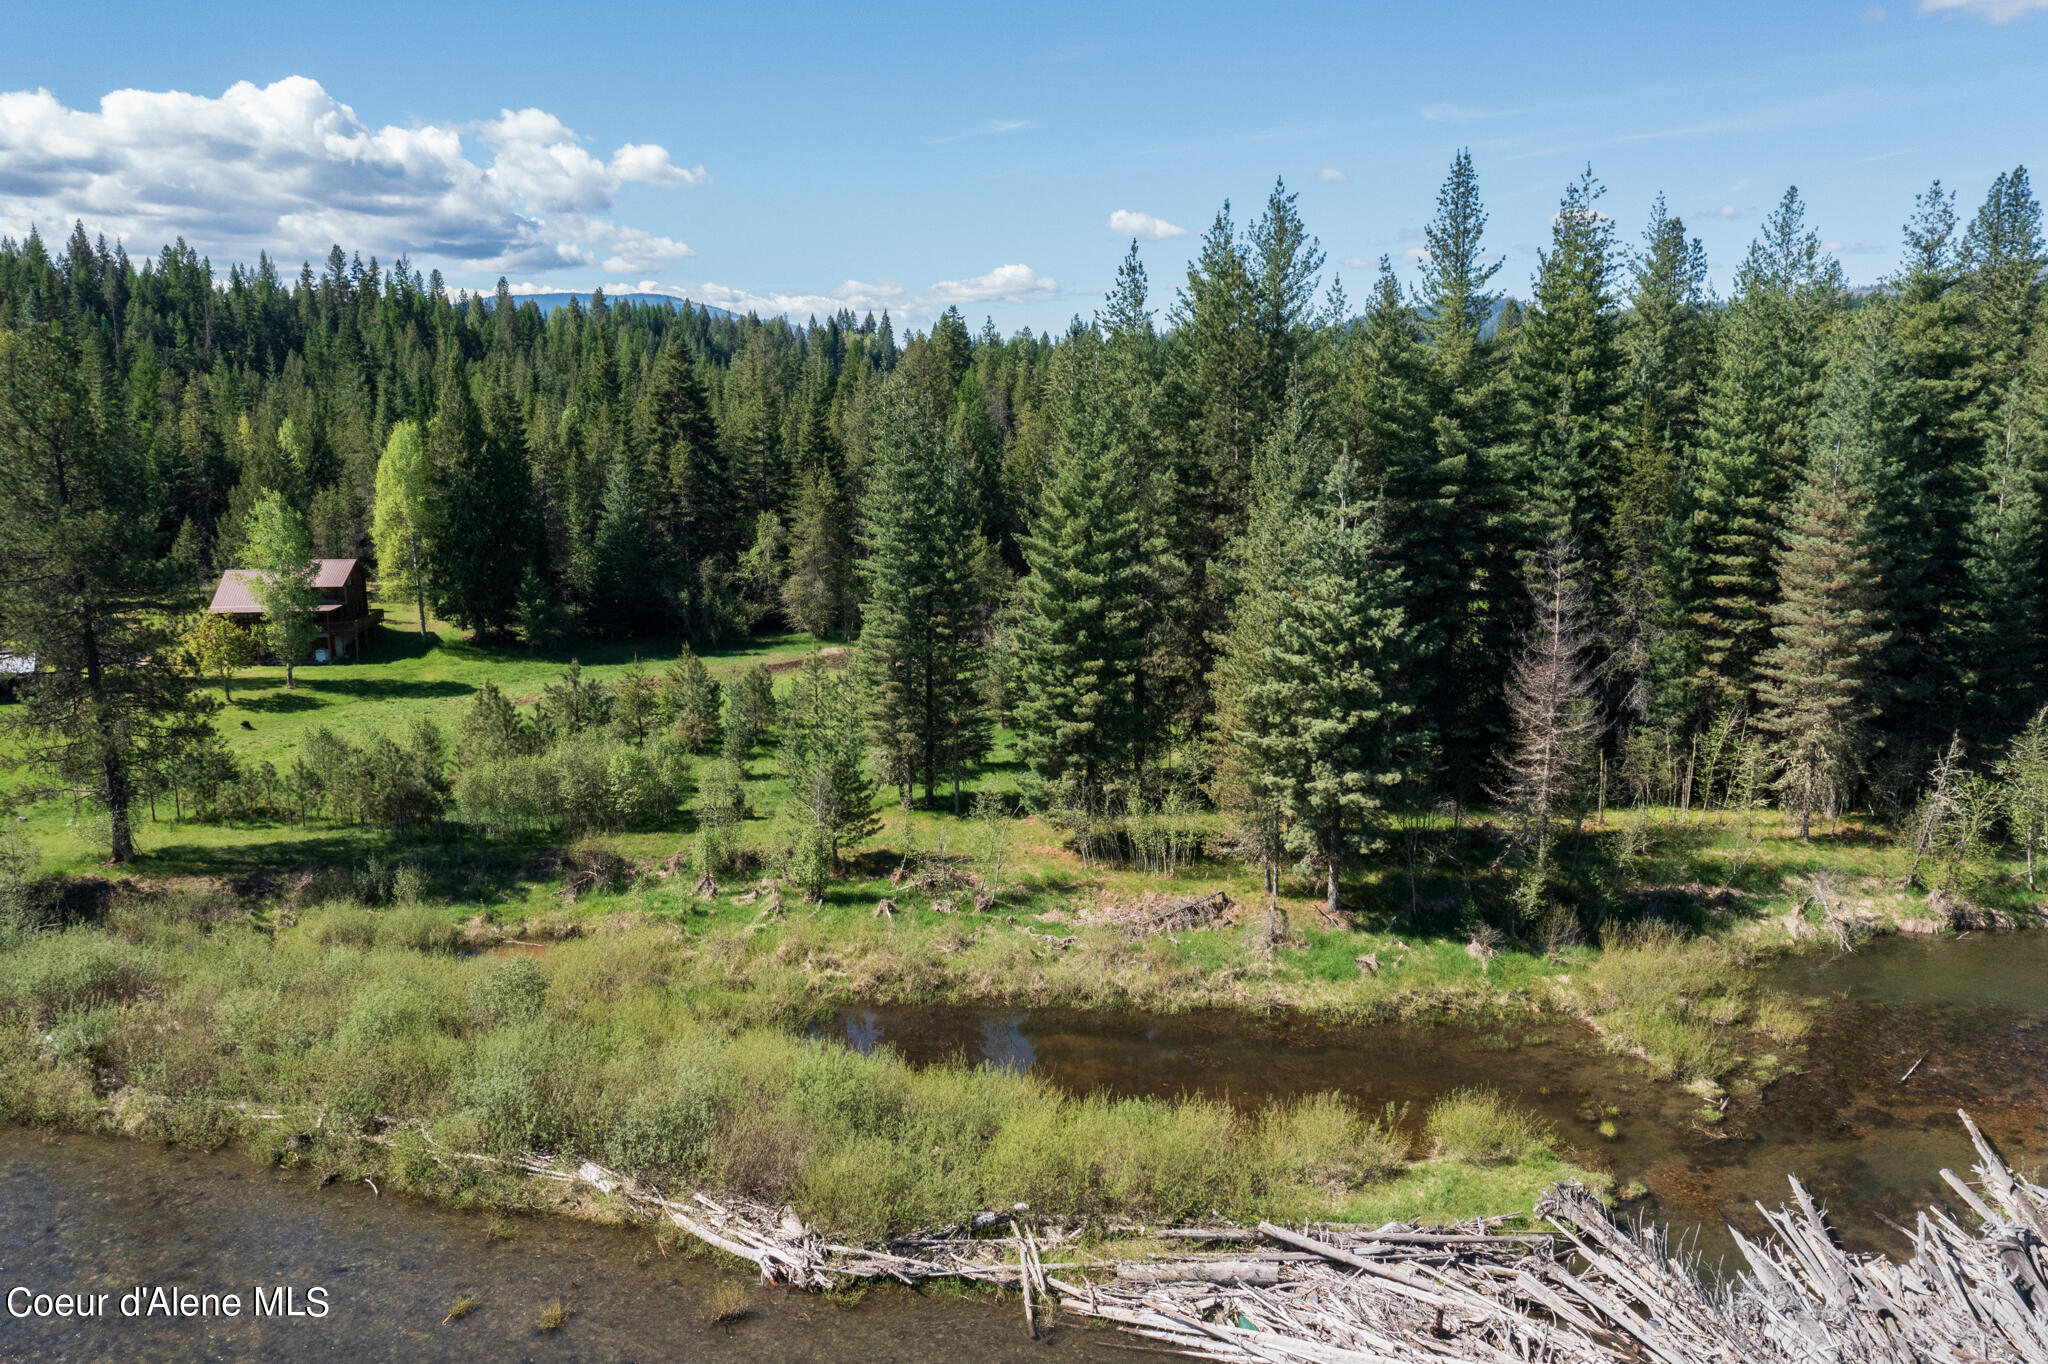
[[547, 303]]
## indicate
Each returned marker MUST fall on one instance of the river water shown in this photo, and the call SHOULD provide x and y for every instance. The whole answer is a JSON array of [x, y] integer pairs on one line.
[[90, 1215]]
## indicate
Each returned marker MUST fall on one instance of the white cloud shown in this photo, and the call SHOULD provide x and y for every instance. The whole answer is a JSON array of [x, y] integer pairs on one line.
[[1990, 11], [1416, 254], [290, 169], [852, 294], [1727, 211], [1331, 175], [1143, 226], [1873, 15], [1010, 283], [1359, 263]]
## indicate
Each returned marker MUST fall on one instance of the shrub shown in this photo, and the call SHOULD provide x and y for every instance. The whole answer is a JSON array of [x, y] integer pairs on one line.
[[420, 929], [1476, 1125], [511, 991], [342, 925], [79, 969], [1321, 1140]]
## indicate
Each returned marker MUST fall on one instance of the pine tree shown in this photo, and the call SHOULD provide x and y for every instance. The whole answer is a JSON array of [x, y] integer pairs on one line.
[[818, 593], [1165, 684], [2004, 602], [279, 555], [922, 634], [1447, 500], [1309, 714], [1081, 615], [1935, 448], [1556, 723], [1382, 413], [482, 523], [686, 473], [403, 514], [690, 698], [82, 589], [831, 802], [2003, 259], [1667, 347], [1566, 386], [1864, 414], [1760, 400], [618, 554], [1826, 632]]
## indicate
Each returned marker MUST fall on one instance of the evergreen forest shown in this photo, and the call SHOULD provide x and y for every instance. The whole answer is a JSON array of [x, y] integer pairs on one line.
[[1321, 561]]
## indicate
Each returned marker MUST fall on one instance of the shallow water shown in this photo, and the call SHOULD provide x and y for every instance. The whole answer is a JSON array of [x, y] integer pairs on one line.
[[84, 1214], [1867, 1145]]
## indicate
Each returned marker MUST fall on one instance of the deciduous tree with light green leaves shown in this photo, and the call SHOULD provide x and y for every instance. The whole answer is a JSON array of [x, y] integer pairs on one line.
[[405, 488], [220, 648], [279, 556]]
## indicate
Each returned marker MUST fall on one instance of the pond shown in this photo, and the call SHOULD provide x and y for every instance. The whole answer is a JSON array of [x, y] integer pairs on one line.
[[1867, 1140]]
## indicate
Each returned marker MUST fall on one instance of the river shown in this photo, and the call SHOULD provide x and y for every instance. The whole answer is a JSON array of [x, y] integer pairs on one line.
[[89, 1215], [92, 1214]]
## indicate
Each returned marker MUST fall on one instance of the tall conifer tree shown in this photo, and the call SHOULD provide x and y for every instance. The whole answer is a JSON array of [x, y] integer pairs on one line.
[[1566, 379], [1760, 401], [1667, 346], [922, 634], [1814, 680], [1081, 625]]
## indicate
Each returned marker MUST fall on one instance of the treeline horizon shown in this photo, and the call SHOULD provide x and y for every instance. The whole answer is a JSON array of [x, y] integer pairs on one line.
[[1323, 563]]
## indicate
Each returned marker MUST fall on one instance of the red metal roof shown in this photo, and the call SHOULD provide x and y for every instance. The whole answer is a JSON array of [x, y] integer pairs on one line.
[[233, 597]]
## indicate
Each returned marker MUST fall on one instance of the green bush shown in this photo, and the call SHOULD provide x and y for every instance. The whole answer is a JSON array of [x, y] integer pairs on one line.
[[511, 991], [1322, 1141], [55, 973], [419, 929], [1476, 1125], [342, 925]]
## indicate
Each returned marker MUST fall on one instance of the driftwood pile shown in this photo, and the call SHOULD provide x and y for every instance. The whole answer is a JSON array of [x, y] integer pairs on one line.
[[1587, 1291]]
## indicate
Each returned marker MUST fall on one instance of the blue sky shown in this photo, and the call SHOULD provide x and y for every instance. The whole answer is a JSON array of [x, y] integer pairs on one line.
[[791, 157]]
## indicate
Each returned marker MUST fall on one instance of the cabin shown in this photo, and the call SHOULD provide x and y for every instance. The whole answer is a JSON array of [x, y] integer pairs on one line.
[[343, 616], [14, 669]]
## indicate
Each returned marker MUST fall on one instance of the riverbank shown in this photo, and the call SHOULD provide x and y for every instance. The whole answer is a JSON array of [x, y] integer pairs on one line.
[[310, 1046]]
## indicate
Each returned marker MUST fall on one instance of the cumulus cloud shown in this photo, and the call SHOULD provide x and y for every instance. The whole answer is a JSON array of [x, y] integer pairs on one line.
[[1143, 226], [853, 295], [1990, 11], [1009, 283], [1331, 175], [290, 169]]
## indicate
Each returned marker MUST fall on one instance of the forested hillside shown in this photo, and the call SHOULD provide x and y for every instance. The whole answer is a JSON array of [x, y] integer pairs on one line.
[[1316, 559]]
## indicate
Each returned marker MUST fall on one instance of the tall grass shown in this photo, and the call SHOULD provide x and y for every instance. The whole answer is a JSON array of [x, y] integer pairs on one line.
[[599, 1051]]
